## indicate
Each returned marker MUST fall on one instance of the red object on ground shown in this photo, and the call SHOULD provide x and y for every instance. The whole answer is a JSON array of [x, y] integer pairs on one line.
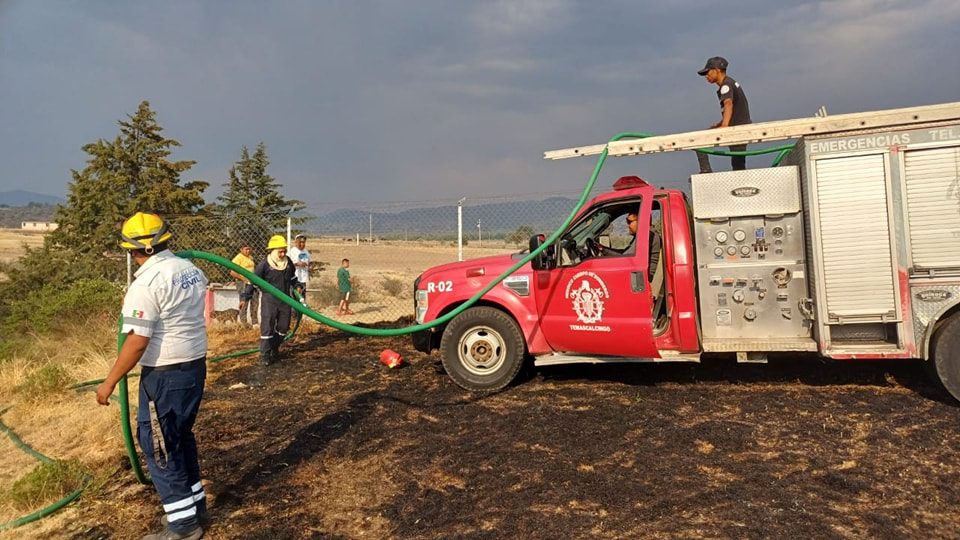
[[391, 358]]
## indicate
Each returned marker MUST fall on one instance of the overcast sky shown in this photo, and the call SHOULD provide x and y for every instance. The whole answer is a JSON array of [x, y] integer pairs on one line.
[[426, 100]]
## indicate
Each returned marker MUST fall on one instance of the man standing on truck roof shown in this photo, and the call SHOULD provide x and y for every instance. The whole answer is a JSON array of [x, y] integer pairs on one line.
[[733, 103]]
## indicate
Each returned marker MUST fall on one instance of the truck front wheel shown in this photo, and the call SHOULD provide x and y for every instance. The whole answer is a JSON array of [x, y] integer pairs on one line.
[[482, 349], [946, 355]]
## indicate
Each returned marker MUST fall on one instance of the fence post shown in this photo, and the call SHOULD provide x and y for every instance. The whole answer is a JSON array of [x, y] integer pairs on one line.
[[460, 229], [208, 302]]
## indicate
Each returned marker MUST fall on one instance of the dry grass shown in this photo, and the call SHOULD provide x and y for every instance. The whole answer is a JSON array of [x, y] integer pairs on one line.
[[60, 423], [69, 425]]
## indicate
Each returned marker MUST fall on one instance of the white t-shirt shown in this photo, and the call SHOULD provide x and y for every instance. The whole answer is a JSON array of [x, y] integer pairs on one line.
[[299, 256], [165, 303]]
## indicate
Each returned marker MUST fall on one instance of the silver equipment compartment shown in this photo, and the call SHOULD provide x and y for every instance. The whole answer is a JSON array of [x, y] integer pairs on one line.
[[751, 269]]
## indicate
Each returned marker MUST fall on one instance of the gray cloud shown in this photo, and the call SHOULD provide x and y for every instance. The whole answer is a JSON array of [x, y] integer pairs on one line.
[[379, 101]]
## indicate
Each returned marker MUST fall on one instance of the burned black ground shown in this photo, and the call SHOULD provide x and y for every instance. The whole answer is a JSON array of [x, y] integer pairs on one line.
[[331, 444]]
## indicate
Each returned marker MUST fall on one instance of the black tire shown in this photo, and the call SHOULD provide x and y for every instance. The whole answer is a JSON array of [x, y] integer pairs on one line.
[[482, 349], [946, 356]]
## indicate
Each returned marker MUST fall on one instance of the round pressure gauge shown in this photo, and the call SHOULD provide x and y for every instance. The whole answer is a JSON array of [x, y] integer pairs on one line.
[[721, 237], [718, 251], [731, 250], [744, 250], [738, 295], [739, 235]]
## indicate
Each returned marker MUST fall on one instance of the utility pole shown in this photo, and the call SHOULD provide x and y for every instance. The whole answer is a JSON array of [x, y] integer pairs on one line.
[[479, 235], [293, 209], [370, 234], [460, 229]]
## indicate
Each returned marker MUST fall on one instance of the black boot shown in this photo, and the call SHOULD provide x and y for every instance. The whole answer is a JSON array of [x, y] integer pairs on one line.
[[275, 347], [266, 357], [167, 534]]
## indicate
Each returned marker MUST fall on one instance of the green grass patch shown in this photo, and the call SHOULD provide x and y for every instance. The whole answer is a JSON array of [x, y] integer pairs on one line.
[[46, 483]]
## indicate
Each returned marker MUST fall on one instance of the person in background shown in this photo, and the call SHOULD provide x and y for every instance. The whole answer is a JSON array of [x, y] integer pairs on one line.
[[163, 320], [249, 295], [343, 283], [300, 256], [734, 107], [277, 270]]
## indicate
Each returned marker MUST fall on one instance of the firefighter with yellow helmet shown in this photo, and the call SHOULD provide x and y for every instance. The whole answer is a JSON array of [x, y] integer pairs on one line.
[[278, 270], [163, 319]]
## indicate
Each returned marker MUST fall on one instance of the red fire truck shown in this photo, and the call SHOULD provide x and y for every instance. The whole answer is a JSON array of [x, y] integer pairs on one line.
[[850, 249]]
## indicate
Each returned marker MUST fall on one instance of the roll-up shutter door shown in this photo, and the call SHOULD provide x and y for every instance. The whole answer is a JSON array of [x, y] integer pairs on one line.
[[855, 238], [933, 206]]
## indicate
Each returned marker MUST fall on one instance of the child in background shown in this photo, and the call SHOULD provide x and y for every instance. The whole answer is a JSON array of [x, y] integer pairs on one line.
[[343, 282]]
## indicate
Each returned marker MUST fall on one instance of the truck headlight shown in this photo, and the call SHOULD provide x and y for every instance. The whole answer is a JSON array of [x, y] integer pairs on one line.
[[419, 301], [420, 304]]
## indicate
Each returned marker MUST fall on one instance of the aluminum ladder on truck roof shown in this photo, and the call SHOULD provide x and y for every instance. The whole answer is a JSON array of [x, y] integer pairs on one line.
[[768, 131]]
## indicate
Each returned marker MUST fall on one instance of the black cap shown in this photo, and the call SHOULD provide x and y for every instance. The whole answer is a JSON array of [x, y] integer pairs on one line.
[[717, 62]]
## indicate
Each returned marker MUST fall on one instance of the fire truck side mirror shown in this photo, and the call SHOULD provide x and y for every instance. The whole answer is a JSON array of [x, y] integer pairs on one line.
[[543, 261]]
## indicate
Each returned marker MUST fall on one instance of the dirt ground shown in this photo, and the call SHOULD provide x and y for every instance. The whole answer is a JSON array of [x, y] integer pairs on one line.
[[331, 444]]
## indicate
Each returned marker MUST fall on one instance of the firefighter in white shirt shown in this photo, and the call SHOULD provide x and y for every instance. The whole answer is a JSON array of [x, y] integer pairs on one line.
[[163, 319]]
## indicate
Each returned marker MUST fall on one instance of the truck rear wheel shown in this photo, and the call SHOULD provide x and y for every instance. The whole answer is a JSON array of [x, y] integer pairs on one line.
[[482, 349], [946, 356]]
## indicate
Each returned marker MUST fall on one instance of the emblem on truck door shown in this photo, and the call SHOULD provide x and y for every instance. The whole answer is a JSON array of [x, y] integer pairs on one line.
[[587, 292]]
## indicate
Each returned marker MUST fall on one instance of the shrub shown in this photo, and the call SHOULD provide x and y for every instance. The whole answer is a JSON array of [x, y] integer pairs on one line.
[[55, 307], [327, 292], [394, 287], [49, 379], [51, 306], [46, 483]]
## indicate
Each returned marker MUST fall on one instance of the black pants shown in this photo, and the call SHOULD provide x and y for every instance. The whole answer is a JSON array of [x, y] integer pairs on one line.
[[738, 163], [274, 323]]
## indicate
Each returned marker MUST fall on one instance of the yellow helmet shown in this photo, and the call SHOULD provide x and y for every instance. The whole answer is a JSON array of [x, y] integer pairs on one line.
[[144, 231], [276, 242]]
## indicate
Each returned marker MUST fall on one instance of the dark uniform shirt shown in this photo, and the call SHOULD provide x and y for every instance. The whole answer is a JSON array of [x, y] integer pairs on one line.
[[731, 89], [281, 279]]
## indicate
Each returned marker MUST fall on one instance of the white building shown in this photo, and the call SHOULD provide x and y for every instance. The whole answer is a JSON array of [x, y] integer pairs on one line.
[[43, 226]]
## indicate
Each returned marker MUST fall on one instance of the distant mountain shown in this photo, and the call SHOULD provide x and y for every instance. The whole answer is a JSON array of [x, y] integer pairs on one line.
[[19, 197], [495, 219]]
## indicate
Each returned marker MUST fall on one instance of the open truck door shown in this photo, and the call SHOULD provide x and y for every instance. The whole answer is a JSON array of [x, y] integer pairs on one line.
[[594, 298]]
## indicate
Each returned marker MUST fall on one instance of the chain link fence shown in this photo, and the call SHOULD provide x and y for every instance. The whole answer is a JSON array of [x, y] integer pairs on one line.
[[387, 244]]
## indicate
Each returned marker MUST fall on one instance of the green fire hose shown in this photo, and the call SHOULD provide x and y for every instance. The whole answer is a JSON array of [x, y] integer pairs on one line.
[[46, 511]]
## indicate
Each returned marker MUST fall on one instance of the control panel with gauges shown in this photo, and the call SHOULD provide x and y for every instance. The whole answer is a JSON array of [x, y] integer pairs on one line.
[[748, 228]]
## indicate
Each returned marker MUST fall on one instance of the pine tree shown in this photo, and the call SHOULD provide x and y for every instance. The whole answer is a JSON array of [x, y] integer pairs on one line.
[[252, 202], [129, 174]]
